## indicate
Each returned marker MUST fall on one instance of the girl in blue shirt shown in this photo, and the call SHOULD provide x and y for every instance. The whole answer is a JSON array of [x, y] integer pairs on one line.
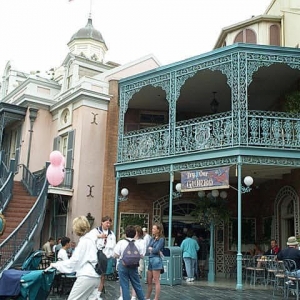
[[155, 248]]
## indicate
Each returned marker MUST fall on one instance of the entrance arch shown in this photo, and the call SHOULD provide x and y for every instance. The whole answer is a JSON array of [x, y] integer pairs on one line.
[[286, 214], [222, 262]]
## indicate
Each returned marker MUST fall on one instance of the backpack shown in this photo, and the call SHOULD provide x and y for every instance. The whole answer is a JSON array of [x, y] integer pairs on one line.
[[131, 255]]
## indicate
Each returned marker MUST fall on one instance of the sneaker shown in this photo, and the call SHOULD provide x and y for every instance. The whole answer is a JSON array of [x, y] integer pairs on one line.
[[192, 279], [120, 298], [132, 298]]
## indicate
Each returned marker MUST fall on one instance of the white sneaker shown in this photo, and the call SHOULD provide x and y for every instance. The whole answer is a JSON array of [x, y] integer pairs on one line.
[[120, 298], [132, 298], [99, 296]]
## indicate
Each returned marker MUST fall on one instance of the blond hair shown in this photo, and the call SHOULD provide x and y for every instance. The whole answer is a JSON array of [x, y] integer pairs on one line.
[[81, 225], [160, 228]]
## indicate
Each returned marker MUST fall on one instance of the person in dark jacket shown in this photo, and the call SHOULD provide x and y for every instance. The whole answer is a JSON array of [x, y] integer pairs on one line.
[[291, 252]]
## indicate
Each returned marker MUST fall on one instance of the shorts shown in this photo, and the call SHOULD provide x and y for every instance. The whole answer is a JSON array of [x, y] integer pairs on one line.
[[155, 263]]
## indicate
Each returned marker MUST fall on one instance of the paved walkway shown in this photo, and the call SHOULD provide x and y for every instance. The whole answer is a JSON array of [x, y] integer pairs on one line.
[[197, 290]]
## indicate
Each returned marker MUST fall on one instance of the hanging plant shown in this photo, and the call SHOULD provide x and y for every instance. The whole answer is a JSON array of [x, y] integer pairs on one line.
[[210, 209], [292, 102]]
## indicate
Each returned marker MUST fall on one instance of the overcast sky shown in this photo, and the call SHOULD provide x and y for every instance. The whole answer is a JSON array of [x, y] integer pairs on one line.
[[34, 33]]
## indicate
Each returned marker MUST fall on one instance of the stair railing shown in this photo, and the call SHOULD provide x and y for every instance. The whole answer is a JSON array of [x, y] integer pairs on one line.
[[6, 180], [4, 171], [22, 237], [33, 181]]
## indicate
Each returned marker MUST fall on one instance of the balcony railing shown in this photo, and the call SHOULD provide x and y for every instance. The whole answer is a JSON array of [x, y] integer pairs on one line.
[[280, 130], [264, 129], [68, 180]]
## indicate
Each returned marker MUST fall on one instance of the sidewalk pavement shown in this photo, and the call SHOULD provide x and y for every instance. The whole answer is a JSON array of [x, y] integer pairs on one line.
[[195, 291]]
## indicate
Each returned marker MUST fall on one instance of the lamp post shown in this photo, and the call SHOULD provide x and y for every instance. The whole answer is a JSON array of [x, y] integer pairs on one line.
[[241, 189], [119, 198]]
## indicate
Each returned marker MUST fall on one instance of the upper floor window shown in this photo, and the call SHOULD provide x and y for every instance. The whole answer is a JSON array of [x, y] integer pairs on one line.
[[65, 144], [274, 35], [246, 36]]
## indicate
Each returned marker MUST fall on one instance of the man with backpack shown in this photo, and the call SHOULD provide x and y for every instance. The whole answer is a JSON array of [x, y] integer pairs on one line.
[[129, 254]]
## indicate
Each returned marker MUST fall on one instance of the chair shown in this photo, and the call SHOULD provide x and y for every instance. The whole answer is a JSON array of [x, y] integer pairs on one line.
[[280, 279], [246, 259], [256, 270], [66, 283], [290, 270], [271, 268], [45, 263]]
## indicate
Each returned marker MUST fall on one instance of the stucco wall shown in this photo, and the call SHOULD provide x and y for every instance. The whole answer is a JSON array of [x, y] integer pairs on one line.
[[89, 154], [41, 143]]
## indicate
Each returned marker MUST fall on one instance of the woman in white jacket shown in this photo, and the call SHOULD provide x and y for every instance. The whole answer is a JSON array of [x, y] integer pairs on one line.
[[82, 262]]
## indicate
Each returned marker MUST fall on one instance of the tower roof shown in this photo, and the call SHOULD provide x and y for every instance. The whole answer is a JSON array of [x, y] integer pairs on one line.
[[88, 32]]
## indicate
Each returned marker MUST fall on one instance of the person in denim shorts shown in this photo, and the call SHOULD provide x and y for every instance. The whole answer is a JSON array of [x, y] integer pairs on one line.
[[155, 248]]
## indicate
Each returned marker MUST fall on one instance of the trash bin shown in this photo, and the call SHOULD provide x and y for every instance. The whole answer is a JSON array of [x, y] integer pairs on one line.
[[172, 262]]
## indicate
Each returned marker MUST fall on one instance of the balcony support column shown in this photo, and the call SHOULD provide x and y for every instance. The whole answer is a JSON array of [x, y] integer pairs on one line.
[[170, 207], [116, 212]]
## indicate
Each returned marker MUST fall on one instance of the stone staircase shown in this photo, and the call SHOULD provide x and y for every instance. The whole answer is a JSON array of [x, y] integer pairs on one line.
[[17, 209]]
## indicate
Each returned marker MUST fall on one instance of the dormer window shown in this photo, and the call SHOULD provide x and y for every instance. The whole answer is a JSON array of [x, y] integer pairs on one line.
[[274, 35], [246, 36]]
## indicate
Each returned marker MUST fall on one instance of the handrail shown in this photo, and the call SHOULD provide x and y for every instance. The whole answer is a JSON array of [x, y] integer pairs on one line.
[[4, 171], [6, 191], [12, 247], [33, 181], [6, 182]]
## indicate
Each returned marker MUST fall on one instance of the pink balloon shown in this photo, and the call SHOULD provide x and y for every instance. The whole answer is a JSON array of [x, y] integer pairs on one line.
[[56, 158], [55, 174]]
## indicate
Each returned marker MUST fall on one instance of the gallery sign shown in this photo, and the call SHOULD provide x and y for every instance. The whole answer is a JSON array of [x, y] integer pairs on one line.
[[208, 179]]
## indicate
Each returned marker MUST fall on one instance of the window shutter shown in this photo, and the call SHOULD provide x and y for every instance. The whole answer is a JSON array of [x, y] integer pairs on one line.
[[71, 136], [239, 37], [56, 143], [274, 35], [250, 36]]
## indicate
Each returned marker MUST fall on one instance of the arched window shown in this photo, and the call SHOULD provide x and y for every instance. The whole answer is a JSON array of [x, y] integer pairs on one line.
[[274, 35], [239, 37], [246, 36]]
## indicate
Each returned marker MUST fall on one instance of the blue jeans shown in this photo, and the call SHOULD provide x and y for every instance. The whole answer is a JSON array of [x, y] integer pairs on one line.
[[132, 275], [190, 264]]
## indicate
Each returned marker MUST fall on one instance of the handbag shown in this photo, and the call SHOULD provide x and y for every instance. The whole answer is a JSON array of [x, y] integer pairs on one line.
[[101, 265]]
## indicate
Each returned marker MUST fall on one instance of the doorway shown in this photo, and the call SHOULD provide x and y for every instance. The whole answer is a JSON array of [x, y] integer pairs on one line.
[[286, 215]]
